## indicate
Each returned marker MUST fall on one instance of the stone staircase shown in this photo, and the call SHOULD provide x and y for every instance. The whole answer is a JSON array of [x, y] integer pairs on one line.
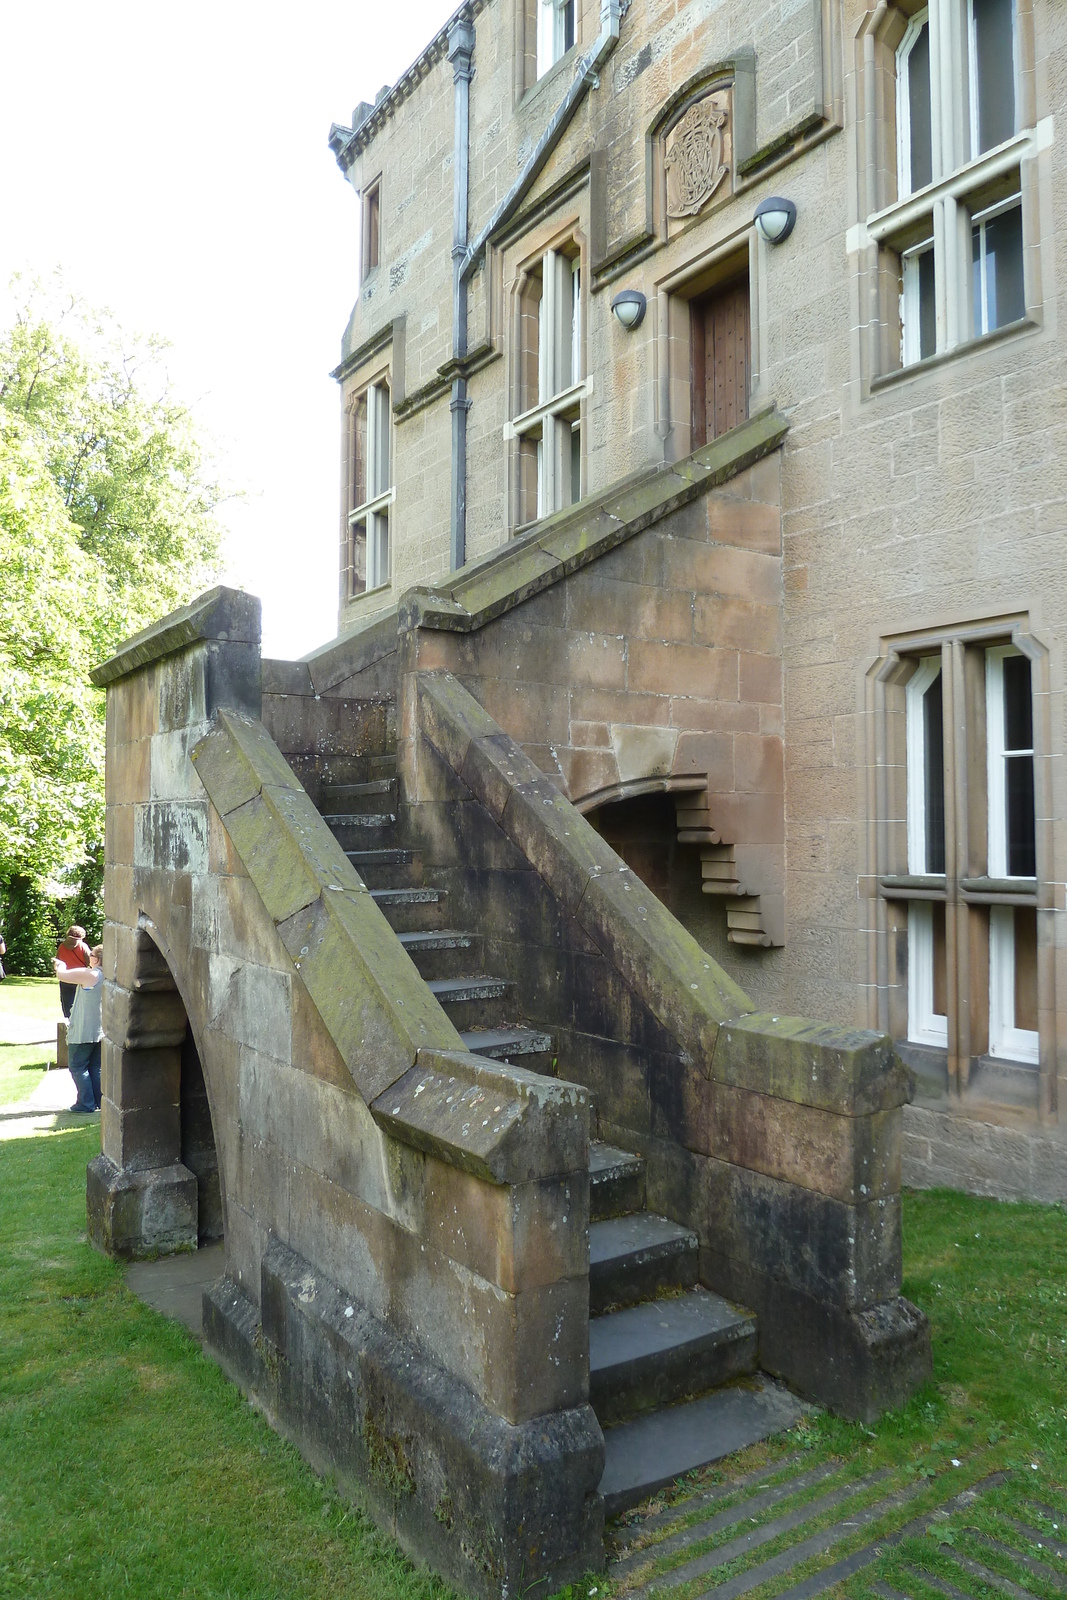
[[672, 1367]]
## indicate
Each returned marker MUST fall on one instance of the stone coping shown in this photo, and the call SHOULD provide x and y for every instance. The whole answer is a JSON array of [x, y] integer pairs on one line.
[[574, 537], [226, 615], [406, 1059], [555, 546]]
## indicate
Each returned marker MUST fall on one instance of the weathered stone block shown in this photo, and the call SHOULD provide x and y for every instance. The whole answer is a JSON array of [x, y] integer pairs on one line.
[[142, 1138], [140, 1079], [171, 836], [236, 759], [490, 1505], [496, 1121], [139, 1214], [148, 1020], [858, 1363], [851, 1071]]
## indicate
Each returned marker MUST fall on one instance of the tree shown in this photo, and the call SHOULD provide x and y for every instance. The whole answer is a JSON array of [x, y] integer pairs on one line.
[[106, 523]]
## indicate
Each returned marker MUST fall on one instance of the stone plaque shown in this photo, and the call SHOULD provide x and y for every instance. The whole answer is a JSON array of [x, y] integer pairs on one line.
[[698, 153]]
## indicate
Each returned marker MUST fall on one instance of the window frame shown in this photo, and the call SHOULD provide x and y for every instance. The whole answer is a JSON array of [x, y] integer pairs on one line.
[[997, 755], [903, 93], [928, 671], [551, 29], [964, 183], [375, 510], [555, 417], [1006, 1041], [370, 202], [981, 951], [925, 1025]]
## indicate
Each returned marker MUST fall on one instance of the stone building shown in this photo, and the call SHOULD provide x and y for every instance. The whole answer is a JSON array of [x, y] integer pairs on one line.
[[698, 664], [869, 681]]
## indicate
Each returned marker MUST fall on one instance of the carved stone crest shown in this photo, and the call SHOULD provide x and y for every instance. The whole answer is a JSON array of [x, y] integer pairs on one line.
[[697, 158]]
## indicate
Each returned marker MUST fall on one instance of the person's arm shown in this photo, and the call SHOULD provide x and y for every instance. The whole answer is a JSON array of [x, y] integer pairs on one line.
[[86, 977]]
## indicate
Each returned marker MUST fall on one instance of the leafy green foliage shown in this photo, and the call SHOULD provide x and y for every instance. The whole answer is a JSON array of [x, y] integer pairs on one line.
[[106, 523]]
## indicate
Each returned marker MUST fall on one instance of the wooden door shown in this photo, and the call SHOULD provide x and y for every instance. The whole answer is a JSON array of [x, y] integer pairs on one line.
[[720, 345]]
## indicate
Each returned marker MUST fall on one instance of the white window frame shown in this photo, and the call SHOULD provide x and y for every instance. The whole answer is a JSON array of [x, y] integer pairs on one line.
[[551, 32], [1005, 1039], [375, 510], [979, 220], [996, 757], [972, 72], [559, 391], [903, 72], [911, 302], [925, 1025], [915, 729], [958, 174]]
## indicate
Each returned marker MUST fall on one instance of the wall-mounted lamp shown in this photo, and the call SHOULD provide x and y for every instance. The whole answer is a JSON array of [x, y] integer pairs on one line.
[[629, 306], [774, 219]]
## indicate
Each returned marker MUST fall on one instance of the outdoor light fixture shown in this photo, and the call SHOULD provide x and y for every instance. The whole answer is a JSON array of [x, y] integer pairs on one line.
[[629, 306], [774, 219]]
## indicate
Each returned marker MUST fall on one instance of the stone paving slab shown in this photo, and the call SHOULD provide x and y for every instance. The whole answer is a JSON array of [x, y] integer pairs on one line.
[[175, 1285]]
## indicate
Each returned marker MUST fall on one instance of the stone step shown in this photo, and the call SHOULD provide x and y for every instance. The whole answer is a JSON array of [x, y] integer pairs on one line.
[[410, 910], [357, 830], [616, 1181], [637, 1257], [504, 1043], [472, 1003], [341, 770], [346, 799], [444, 952], [643, 1455], [338, 820], [664, 1351], [386, 867]]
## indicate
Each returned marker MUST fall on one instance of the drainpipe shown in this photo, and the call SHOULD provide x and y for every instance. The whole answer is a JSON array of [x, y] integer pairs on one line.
[[465, 257], [586, 76], [460, 52]]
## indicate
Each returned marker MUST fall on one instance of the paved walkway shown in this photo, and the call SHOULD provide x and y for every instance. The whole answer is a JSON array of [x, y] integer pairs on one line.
[[175, 1284], [794, 1532], [46, 1109]]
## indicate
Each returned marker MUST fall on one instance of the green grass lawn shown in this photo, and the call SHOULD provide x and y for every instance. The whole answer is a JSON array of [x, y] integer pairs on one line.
[[23, 1066], [128, 1465]]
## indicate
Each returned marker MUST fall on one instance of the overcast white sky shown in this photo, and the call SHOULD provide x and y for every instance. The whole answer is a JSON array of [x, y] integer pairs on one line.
[[173, 161]]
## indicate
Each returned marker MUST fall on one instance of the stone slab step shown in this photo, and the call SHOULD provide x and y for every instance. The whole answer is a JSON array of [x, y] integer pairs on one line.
[[446, 953], [503, 1043], [384, 867], [664, 1351], [359, 819], [479, 988], [410, 910], [436, 939], [344, 792], [472, 1002], [616, 1181], [637, 1257], [651, 1451], [420, 896]]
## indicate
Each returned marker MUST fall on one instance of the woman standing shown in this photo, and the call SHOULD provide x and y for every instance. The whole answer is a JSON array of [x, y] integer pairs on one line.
[[84, 1030]]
